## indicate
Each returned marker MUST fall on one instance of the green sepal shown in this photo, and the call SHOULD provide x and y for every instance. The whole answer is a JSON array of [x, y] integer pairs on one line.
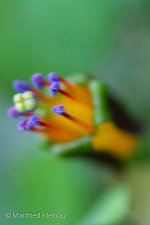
[[81, 145], [100, 101]]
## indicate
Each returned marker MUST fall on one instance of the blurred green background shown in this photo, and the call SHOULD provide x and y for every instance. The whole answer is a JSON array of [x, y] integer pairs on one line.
[[110, 40]]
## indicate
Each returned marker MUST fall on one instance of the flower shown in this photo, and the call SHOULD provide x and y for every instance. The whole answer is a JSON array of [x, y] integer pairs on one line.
[[53, 77], [32, 121], [58, 109], [37, 80], [21, 86], [13, 112], [54, 88], [24, 101], [22, 125], [76, 117]]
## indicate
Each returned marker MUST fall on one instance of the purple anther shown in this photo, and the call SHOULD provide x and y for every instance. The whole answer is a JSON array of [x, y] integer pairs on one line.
[[53, 77], [32, 121], [54, 88], [14, 113], [22, 125], [58, 109], [21, 86], [37, 80]]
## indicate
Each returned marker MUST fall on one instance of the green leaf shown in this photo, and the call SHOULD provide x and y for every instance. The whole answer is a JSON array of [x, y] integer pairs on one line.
[[131, 219], [110, 208]]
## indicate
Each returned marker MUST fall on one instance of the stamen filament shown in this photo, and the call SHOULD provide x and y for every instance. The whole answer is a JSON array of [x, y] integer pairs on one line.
[[66, 94], [56, 137], [76, 89], [43, 96], [49, 126], [41, 122], [78, 121], [46, 83], [41, 131], [67, 83], [72, 97]]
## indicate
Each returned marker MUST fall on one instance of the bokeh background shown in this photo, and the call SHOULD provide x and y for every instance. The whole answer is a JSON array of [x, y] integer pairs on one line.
[[110, 40]]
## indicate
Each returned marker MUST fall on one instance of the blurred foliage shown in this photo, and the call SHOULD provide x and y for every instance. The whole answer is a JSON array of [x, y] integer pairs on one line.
[[41, 184], [108, 39], [111, 208]]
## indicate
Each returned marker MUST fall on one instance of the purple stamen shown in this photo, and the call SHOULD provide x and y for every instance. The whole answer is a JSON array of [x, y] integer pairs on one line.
[[32, 121], [21, 86], [58, 109], [13, 113], [54, 88], [22, 125], [37, 80], [53, 77]]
